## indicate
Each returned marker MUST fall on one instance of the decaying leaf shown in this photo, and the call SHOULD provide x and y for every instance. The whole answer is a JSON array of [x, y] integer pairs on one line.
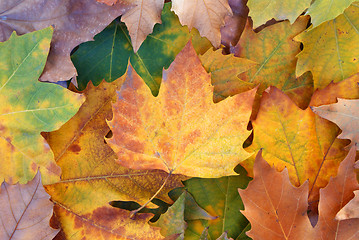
[[328, 50], [205, 15], [28, 107], [141, 19], [91, 178], [75, 21], [274, 207], [25, 211], [181, 131], [351, 210], [345, 114], [262, 11]]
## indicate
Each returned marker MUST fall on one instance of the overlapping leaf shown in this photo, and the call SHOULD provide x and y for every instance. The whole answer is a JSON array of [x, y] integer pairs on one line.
[[91, 178], [112, 48], [328, 49], [205, 15], [75, 21], [25, 211], [262, 11], [181, 131], [29, 107], [351, 210]]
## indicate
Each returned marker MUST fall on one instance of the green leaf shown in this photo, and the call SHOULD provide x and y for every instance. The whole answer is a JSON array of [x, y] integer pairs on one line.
[[219, 197], [262, 11], [107, 56], [322, 11], [29, 107]]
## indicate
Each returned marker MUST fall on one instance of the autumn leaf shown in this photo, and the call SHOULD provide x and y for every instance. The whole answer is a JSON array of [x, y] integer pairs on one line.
[[75, 21], [320, 11], [328, 51], [141, 19], [25, 211], [275, 208], [112, 50], [108, 2], [205, 15], [29, 107], [181, 131], [262, 11], [224, 70], [274, 50], [219, 197], [350, 210], [345, 115], [91, 178]]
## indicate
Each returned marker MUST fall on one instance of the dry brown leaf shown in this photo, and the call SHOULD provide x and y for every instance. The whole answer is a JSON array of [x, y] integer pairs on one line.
[[351, 210]]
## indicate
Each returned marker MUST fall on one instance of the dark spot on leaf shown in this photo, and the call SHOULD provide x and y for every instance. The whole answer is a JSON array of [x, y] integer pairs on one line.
[[75, 148]]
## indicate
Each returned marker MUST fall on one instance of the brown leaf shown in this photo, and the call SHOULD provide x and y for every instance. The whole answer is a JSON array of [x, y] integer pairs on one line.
[[75, 21], [275, 208], [25, 211], [351, 210]]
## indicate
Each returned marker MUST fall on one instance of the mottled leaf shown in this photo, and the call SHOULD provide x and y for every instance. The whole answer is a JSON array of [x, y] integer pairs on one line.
[[205, 15], [262, 11], [91, 178], [330, 50], [112, 48], [75, 21], [350, 210], [275, 208], [29, 107], [345, 114], [181, 131], [25, 211]]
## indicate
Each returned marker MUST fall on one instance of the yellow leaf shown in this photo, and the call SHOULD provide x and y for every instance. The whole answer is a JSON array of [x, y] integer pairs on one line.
[[182, 130]]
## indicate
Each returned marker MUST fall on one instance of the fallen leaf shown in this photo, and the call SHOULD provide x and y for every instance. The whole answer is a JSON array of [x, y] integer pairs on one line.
[[25, 211], [75, 21], [141, 19], [112, 50], [108, 2], [91, 178], [275, 208], [224, 70], [350, 210], [345, 115], [205, 15], [29, 107], [328, 49], [263, 10], [320, 11], [181, 131]]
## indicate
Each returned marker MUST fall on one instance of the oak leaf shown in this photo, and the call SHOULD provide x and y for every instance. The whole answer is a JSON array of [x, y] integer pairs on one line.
[[91, 178], [262, 11], [75, 21], [205, 15], [351, 210], [345, 114], [141, 19], [25, 211], [327, 49], [29, 107], [181, 131]]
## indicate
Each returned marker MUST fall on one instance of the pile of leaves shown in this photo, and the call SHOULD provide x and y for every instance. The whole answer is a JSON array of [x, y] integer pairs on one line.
[[152, 119]]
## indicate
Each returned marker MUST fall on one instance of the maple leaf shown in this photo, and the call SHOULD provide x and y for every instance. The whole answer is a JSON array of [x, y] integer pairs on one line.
[[351, 210], [25, 211], [320, 11], [205, 15], [29, 107], [224, 70], [182, 130], [345, 115], [274, 50], [329, 46], [141, 19], [263, 10], [275, 208], [112, 50], [91, 178], [75, 21]]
